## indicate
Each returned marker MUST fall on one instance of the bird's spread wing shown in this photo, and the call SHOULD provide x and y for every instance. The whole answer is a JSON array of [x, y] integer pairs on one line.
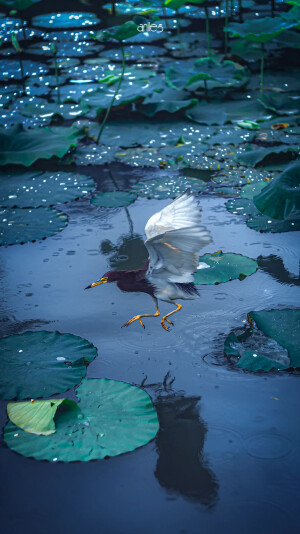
[[174, 238]]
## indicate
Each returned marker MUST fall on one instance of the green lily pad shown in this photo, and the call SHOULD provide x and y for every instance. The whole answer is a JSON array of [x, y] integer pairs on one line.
[[115, 418], [251, 190], [223, 268], [36, 189], [40, 364], [45, 110], [65, 20], [262, 156], [258, 221], [10, 69], [271, 341], [206, 71], [259, 30], [280, 199], [18, 226], [281, 104], [24, 147], [165, 101], [120, 33], [128, 8], [37, 417], [114, 199], [166, 187], [224, 112]]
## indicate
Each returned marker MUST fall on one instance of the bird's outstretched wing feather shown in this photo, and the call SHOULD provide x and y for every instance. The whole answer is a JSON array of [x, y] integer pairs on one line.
[[175, 237]]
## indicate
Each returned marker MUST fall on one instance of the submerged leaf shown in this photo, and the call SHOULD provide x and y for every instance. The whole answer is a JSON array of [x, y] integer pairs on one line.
[[115, 418]]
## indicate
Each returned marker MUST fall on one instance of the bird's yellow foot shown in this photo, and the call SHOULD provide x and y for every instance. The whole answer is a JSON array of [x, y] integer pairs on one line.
[[135, 318], [164, 325]]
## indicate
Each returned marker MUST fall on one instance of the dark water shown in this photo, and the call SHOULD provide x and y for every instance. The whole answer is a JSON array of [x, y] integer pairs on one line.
[[226, 458]]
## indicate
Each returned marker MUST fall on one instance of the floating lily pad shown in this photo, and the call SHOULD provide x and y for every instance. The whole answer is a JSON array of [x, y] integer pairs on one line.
[[115, 418], [37, 417], [223, 268], [251, 190], [40, 364], [166, 187], [65, 20], [281, 198], [259, 30], [223, 112], [114, 199], [206, 72], [22, 225], [35, 189], [270, 341], [168, 100], [271, 155], [10, 69], [258, 221], [47, 111], [281, 104], [24, 147]]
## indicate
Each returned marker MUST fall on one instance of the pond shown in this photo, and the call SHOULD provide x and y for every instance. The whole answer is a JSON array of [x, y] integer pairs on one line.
[[215, 447]]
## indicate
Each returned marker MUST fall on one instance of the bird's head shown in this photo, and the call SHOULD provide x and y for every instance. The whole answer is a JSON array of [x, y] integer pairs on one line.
[[110, 276]]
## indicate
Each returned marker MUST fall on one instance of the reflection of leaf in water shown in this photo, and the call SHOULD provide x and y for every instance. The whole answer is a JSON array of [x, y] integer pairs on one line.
[[129, 252], [180, 442], [274, 266]]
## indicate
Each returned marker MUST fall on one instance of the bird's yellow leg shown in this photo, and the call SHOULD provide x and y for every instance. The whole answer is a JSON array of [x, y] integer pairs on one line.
[[165, 317], [138, 317]]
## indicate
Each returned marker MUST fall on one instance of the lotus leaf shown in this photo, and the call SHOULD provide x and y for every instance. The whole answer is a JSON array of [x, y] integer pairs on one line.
[[115, 418], [24, 147], [120, 33], [47, 111], [223, 112], [250, 190], [223, 268], [274, 154], [22, 225], [114, 199], [10, 69], [206, 72], [166, 187], [40, 364], [280, 104], [37, 417], [65, 20], [19, 5], [280, 199], [35, 189], [258, 221], [259, 30]]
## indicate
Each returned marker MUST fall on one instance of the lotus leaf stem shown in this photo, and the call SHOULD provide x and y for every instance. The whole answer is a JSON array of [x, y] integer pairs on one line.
[[207, 30], [57, 79], [179, 32], [262, 69], [113, 98], [22, 72]]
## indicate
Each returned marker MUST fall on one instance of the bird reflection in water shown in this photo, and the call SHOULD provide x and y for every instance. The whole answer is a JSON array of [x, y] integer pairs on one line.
[[174, 238], [180, 468]]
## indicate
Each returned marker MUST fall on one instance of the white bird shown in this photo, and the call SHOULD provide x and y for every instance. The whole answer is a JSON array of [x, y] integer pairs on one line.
[[174, 238]]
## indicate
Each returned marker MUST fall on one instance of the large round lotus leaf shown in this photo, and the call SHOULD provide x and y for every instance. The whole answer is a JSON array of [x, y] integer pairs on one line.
[[37, 417], [223, 112], [270, 155], [284, 327], [258, 221], [45, 110], [114, 199], [115, 418], [40, 364], [35, 189], [206, 72], [223, 267], [280, 199], [20, 225], [259, 30], [166, 187], [281, 104], [250, 190], [270, 342], [10, 69], [65, 20], [24, 147]]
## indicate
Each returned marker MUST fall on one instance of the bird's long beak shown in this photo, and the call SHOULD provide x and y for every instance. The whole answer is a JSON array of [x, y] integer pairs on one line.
[[97, 283]]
